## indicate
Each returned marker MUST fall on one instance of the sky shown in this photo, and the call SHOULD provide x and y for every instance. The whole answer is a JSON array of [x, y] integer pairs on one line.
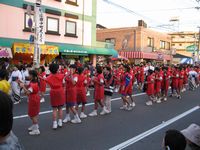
[[156, 13]]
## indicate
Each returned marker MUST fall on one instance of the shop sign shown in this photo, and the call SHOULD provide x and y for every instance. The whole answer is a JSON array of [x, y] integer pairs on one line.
[[76, 51], [5, 52], [29, 49]]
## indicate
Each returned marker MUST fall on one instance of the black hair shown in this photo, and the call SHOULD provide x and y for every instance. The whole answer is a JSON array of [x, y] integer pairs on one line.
[[108, 68], [157, 69], [53, 68], [6, 115], [99, 69], [150, 71], [4, 74], [127, 68], [34, 75], [73, 66], [80, 70], [165, 68], [175, 140], [42, 68]]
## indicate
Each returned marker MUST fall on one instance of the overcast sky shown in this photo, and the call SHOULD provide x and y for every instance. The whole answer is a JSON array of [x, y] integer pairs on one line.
[[156, 13]]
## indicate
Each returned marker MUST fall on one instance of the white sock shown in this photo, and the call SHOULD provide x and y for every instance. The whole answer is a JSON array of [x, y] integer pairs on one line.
[[35, 126]]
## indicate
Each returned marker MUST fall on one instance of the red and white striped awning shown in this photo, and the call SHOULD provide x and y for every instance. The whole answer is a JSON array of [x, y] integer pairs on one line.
[[131, 54], [144, 55]]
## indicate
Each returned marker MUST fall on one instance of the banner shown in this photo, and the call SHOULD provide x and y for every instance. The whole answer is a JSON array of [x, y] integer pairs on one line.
[[39, 23], [29, 49]]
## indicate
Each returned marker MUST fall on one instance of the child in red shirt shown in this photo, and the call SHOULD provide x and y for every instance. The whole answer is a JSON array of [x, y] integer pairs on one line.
[[165, 82], [158, 81], [42, 74], [98, 93], [71, 95], [57, 94], [150, 87], [81, 91], [33, 101]]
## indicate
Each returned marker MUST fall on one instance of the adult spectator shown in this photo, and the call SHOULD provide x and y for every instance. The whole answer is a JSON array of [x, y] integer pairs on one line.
[[192, 134], [8, 141], [174, 140]]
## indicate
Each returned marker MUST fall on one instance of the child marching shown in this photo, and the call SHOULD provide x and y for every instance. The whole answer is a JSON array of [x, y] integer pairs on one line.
[[81, 92], [33, 101], [57, 94], [71, 95], [98, 81]]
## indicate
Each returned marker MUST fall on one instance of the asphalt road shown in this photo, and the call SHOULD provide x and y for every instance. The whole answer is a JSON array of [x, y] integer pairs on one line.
[[105, 132]]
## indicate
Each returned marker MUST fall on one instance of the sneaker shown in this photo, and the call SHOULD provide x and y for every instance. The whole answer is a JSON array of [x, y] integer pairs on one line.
[[60, 123], [149, 103], [93, 113], [129, 108], [179, 97], [31, 127], [88, 93], [67, 119], [132, 104], [76, 120], [42, 100], [104, 111], [55, 125], [35, 132], [165, 99], [123, 107], [82, 115], [158, 101], [16, 102]]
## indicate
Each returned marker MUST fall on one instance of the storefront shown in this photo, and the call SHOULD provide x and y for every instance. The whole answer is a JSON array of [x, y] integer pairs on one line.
[[139, 56], [24, 52], [84, 54]]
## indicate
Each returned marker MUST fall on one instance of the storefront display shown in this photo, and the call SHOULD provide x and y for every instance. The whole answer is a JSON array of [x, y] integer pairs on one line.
[[24, 52]]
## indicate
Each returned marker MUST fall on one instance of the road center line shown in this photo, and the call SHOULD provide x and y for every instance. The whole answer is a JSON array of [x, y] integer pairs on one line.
[[89, 104], [152, 130]]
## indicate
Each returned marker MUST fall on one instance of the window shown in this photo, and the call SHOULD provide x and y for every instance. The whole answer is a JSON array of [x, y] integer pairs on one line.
[[71, 28], [173, 44], [110, 40], [180, 44], [162, 44], [150, 42], [72, 2], [26, 18], [167, 45], [52, 26]]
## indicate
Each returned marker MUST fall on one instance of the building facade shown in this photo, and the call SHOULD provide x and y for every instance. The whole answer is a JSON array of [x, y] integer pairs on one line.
[[138, 43], [69, 25], [184, 43]]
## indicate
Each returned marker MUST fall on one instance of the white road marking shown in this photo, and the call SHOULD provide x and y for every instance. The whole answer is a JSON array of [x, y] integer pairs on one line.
[[89, 104], [153, 130]]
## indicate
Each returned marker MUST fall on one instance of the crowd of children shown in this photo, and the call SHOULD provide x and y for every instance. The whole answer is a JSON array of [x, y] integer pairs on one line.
[[69, 86]]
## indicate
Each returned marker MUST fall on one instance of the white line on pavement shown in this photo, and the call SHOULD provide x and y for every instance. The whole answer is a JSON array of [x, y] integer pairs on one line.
[[153, 130], [89, 104]]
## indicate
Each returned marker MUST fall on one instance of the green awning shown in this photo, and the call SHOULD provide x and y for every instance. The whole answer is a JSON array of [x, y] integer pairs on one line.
[[191, 48], [69, 49]]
